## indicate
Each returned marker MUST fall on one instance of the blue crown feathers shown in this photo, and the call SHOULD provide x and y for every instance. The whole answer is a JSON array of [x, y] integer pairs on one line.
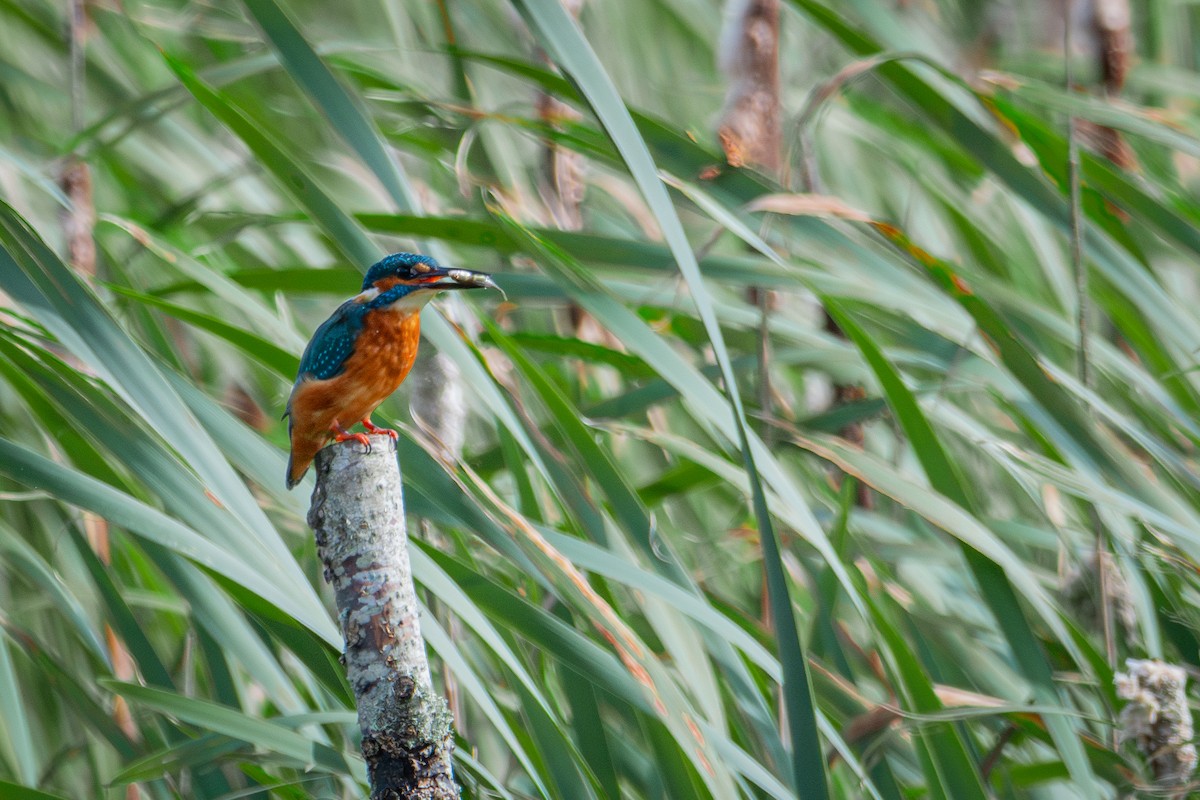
[[399, 265]]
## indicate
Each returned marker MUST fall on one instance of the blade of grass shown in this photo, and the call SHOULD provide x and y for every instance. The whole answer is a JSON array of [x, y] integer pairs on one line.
[[335, 101], [1024, 365], [25, 561], [323, 211], [21, 751], [121, 617], [16, 791], [571, 51], [41, 283], [269, 354], [473, 686], [635, 521], [30, 469], [235, 724]]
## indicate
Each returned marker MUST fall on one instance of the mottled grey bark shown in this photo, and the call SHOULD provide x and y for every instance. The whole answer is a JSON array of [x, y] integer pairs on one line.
[[357, 515]]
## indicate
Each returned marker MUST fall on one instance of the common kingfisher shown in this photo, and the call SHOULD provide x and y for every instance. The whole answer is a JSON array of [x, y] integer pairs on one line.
[[363, 352]]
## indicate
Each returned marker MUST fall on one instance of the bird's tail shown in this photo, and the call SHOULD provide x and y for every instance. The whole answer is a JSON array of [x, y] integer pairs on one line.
[[296, 466], [304, 450], [296, 470]]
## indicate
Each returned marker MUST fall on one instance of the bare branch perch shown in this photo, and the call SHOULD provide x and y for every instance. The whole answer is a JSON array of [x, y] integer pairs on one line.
[[357, 514]]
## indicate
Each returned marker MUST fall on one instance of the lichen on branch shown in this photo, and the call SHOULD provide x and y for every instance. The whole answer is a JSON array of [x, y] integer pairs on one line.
[[357, 515]]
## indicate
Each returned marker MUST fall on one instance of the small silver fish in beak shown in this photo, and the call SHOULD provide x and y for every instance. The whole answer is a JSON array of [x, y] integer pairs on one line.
[[469, 279]]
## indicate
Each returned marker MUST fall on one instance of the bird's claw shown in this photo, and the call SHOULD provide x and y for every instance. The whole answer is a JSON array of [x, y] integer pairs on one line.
[[343, 435], [373, 428]]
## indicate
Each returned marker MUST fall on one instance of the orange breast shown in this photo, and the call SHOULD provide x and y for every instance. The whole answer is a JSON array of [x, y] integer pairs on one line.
[[383, 355]]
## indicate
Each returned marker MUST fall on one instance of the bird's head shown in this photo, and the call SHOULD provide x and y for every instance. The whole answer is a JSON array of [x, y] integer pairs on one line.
[[409, 275]]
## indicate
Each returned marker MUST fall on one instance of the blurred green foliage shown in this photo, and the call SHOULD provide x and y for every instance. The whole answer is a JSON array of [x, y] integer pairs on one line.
[[595, 565]]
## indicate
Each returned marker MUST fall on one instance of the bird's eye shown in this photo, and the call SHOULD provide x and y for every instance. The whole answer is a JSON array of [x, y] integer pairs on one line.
[[421, 267]]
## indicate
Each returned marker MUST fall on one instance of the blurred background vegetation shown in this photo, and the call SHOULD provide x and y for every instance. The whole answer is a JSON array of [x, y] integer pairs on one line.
[[838, 359]]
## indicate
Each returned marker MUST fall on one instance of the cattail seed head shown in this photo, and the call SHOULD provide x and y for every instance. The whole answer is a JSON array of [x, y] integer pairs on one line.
[[1157, 718]]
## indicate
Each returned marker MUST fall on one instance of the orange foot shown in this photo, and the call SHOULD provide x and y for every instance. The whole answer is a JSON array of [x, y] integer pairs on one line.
[[373, 428], [343, 435]]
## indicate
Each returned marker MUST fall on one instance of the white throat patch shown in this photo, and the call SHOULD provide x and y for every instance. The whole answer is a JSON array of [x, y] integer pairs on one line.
[[413, 301]]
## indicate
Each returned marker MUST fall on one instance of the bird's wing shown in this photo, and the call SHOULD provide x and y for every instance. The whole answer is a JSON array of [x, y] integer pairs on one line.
[[331, 345]]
